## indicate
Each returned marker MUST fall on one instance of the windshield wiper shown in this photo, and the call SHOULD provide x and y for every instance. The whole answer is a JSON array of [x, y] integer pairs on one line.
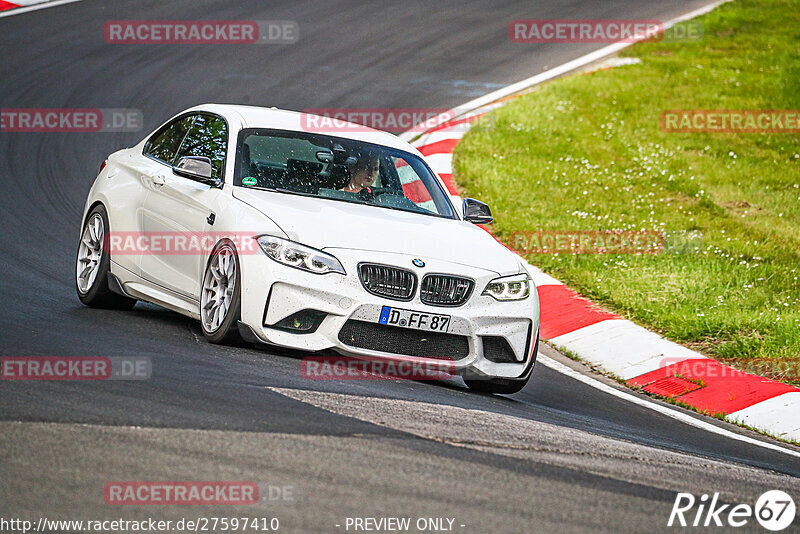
[[286, 191]]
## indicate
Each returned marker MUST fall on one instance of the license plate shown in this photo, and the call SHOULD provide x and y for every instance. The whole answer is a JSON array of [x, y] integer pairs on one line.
[[411, 319]]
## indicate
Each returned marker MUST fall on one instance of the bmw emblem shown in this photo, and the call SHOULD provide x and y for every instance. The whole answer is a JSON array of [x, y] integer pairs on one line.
[[418, 262]]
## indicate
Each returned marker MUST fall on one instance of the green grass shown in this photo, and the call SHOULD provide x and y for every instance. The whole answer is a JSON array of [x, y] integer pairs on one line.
[[586, 152]]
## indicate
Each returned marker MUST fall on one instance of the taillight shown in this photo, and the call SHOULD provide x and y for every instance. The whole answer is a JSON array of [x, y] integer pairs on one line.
[[102, 166]]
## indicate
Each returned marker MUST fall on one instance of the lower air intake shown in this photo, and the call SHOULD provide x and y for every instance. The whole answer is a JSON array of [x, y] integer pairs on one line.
[[405, 341], [496, 349]]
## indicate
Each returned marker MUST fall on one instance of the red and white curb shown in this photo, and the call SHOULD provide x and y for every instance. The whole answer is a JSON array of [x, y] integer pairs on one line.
[[4, 6], [615, 345], [23, 6]]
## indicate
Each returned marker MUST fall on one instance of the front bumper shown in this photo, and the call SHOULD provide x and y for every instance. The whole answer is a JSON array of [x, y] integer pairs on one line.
[[271, 292]]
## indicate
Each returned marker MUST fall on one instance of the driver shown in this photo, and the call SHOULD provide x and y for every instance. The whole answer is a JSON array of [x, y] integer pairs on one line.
[[363, 173]]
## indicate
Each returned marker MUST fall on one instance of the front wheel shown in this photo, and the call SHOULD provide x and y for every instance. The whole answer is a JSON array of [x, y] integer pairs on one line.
[[220, 299], [93, 265]]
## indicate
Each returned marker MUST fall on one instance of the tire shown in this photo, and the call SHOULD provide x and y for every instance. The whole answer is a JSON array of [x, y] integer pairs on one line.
[[93, 265], [505, 386], [221, 305]]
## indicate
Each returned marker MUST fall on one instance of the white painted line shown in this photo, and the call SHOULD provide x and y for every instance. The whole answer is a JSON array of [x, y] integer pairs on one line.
[[572, 65], [779, 416], [559, 70], [660, 408], [21, 10], [623, 348]]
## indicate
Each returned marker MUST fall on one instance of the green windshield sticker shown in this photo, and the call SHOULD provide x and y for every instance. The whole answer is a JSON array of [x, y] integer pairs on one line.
[[249, 180]]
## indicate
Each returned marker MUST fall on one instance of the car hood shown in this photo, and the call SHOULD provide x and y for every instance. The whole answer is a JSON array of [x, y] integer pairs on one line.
[[327, 224]]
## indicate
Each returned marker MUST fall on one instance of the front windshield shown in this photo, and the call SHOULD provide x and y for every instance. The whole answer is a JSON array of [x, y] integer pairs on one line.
[[338, 169]]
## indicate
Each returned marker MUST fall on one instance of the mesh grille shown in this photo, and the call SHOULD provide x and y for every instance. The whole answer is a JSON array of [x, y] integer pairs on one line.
[[496, 349], [405, 341], [445, 290], [389, 282]]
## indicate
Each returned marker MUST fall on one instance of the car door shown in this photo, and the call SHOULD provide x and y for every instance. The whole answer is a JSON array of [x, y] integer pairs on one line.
[[130, 178], [178, 208]]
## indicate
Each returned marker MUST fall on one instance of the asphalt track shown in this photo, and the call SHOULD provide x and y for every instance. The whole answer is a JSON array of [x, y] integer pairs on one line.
[[558, 455]]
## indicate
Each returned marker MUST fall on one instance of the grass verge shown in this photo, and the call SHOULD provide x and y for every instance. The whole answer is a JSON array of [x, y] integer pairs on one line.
[[586, 152]]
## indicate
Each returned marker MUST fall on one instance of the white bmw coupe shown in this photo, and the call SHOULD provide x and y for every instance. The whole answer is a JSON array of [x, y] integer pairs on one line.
[[264, 230]]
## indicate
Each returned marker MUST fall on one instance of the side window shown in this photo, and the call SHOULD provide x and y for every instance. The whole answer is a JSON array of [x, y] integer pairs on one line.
[[207, 137], [165, 143]]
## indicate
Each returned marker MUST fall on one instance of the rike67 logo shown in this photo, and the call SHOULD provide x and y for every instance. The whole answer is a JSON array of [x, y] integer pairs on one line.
[[774, 510]]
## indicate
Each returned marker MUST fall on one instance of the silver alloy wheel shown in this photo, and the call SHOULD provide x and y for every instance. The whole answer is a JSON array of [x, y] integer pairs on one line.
[[219, 283], [90, 253]]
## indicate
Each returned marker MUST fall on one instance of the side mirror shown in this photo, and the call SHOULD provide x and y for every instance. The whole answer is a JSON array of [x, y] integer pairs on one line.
[[477, 212], [196, 168]]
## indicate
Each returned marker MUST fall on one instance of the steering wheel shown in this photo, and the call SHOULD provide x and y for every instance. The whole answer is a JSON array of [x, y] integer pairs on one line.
[[369, 194]]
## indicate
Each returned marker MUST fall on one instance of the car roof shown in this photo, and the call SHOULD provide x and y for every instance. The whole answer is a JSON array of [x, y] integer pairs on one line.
[[281, 119]]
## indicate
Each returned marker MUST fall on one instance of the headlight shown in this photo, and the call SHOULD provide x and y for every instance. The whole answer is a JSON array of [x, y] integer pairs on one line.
[[516, 287], [299, 256]]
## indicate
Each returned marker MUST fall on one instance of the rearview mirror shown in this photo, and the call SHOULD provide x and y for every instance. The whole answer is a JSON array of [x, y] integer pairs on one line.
[[196, 168], [477, 212]]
